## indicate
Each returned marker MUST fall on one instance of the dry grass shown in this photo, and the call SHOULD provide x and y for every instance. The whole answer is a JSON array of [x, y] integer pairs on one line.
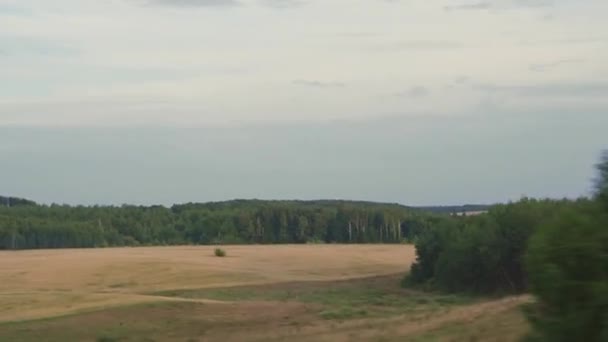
[[255, 293], [44, 283]]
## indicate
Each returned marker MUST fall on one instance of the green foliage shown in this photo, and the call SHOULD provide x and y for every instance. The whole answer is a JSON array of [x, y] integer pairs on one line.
[[30, 226], [567, 263], [15, 201], [219, 252], [314, 241], [556, 249], [481, 254], [343, 313], [568, 268], [429, 246], [602, 181]]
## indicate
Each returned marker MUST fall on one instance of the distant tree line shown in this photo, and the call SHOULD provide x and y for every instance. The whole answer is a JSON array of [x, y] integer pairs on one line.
[[30, 225], [14, 201], [456, 209]]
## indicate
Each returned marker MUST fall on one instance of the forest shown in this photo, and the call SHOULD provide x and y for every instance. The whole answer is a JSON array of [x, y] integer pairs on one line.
[[26, 225]]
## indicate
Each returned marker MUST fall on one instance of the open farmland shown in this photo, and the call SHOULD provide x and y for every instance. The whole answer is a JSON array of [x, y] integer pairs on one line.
[[260, 293]]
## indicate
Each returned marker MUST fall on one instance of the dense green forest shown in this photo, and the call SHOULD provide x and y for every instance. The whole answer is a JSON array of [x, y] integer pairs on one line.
[[25, 224]]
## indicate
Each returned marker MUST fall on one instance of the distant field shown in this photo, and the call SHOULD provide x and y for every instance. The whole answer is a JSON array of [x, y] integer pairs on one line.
[[256, 293]]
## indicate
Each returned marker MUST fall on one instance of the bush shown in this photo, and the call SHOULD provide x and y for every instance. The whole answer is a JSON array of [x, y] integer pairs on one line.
[[220, 252], [105, 338], [314, 241]]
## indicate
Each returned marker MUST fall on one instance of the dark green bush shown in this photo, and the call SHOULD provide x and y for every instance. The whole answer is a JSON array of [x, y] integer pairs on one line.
[[219, 252]]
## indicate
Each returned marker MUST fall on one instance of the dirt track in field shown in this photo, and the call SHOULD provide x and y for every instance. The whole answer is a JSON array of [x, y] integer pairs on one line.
[[47, 283]]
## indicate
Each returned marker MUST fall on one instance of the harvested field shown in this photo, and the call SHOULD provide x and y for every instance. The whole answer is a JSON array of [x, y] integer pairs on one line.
[[255, 293]]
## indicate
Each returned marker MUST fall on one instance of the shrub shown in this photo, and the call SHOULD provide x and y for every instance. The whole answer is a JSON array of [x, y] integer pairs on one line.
[[314, 241], [220, 252]]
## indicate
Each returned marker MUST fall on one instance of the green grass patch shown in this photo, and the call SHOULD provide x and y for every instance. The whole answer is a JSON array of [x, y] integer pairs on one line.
[[337, 300], [343, 313]]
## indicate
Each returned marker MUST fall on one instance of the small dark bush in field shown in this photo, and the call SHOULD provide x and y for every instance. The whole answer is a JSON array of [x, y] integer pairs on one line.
[[220, 252], [106, 339]]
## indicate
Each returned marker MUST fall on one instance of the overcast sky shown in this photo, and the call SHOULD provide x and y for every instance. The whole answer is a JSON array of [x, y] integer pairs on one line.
[[409, 101]]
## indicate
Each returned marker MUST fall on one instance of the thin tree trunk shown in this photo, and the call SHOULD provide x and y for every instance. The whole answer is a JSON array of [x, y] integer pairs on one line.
[[350, 232]]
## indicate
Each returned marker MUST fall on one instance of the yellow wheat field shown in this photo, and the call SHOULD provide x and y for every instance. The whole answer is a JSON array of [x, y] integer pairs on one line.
[[43, 283]]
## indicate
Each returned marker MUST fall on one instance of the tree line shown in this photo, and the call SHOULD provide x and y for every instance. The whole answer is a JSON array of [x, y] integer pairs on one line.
[[27, 225], [555, 249], [483, 253]]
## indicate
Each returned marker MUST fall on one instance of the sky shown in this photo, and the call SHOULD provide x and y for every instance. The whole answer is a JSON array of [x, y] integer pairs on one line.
[[411, 101]]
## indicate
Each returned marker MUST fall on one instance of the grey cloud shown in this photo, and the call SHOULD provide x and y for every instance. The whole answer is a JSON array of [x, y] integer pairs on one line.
[[540, 67], [548, 17], [278, 4], [415, 92], [500, 4], [533, 3], [195, 3], [318, 84], [474, 6], [282, 4], [359, 34], [14, 10], [461, 79], [565, 41], [548, 90], [422, 45], [430, 45], [458, 81], [26, 45]]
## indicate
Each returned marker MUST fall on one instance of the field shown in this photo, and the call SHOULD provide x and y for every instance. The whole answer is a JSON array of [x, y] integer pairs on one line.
[[255, 293]]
